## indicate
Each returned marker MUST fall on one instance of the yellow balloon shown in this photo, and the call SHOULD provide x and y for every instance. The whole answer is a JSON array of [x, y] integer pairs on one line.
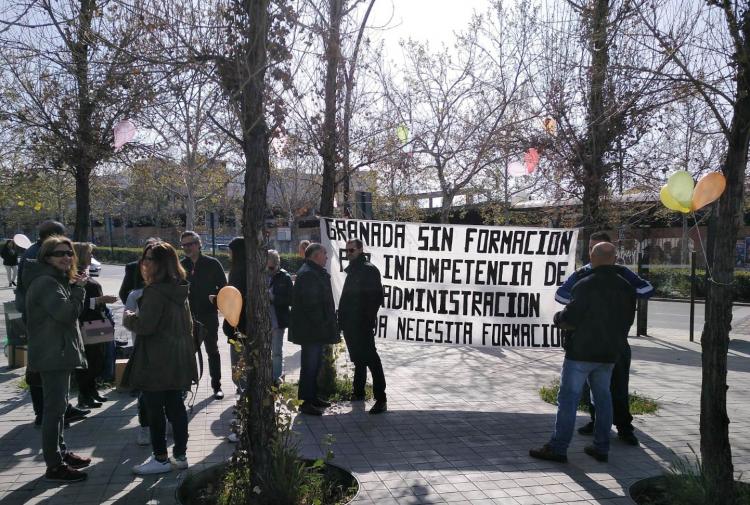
[[709, 188], [229, 301], [680, 186], [669, 201]]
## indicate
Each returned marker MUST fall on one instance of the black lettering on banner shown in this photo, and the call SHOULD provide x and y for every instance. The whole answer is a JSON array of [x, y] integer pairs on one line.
[[435, 238], [555, 273], [382, 327]]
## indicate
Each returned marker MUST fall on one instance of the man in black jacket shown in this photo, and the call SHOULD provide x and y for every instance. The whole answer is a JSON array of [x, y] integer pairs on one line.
[[312, 324], [206, 278], [360, 301], [599, 315]]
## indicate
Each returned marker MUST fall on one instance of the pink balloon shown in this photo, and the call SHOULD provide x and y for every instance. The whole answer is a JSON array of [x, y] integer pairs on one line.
[[516, 169], [124, 133], [531, 159]]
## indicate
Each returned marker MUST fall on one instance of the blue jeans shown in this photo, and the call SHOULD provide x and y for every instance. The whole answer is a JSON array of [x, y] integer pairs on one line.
[[277, 349], [572, 378], [312, 357]]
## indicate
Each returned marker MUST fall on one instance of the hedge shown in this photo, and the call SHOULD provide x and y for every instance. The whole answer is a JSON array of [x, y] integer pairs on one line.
[[675, 283], [289, 262]]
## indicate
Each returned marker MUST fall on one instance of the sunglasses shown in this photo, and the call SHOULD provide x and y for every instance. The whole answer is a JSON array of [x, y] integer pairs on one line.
[[352, 250], [188, 244], [60, 254], [148, 258]]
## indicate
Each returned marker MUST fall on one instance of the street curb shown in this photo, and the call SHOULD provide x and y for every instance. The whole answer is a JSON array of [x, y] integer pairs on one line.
[[697, 300]]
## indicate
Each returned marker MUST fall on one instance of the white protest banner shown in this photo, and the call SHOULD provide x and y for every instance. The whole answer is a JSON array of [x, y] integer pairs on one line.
[[483, 286]]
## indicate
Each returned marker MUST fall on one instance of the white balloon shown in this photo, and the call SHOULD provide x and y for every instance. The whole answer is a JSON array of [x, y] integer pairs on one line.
[[21, 240], [124, 132], [517, 169]]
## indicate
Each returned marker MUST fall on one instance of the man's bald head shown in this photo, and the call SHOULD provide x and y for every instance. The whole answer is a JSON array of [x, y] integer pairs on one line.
[[603, 253]]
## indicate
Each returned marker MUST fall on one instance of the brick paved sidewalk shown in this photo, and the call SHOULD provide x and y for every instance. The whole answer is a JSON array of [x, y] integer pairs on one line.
[[458, 430]]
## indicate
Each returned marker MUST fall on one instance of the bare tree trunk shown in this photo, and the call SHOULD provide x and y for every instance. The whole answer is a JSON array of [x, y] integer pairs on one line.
[[83, 204], [243, 77], [716, 451], [333, 56]]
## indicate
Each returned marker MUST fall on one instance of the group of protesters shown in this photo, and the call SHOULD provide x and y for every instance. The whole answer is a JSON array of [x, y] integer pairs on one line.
[[170, 308]]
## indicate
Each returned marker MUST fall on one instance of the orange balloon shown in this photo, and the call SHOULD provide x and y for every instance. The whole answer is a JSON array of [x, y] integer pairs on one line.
[[229, 301], [709, 188]]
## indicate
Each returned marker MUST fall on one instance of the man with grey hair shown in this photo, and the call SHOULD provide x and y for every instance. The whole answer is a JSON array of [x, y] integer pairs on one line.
[[599, 317], [280, 298], [206, 277], [313, 324]]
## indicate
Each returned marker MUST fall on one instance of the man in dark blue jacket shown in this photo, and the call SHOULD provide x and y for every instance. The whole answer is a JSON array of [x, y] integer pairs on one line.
[[312, 324], [599, 316], [623, 420]]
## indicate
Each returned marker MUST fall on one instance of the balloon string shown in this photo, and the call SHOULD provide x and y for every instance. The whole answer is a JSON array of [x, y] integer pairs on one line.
[[705, 256]]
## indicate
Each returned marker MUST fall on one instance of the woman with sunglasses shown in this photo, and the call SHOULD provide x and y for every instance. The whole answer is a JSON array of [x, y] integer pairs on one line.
[[163, 362], [54, 301]]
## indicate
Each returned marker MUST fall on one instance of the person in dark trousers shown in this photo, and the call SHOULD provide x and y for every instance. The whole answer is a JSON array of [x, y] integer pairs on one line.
[[206, 278], [54, 301], [94, 309], [312, 324], [9, 253], [598, 317], [619, 388], [133, 278], [46, 229], [280, 297], [133, 282], [360, 301], [163, 363]]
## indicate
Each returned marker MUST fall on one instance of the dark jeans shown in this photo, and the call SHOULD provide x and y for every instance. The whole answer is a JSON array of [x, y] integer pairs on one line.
[[312, 358], [157, 402], [56, 386], [86, 377], [620, 394], [364, 355], [34, 380], [210, 324]]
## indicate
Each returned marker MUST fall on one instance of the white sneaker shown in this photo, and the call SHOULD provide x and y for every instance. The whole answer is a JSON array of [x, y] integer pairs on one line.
[[179, 463], [233, 438], [152, 466], [144, 436]]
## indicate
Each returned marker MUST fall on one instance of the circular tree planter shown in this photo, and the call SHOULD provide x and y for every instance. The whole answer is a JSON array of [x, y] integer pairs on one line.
[[192, 490], [656, 490]]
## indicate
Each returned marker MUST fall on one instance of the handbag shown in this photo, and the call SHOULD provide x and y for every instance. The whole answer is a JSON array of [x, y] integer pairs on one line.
[[97, 331]]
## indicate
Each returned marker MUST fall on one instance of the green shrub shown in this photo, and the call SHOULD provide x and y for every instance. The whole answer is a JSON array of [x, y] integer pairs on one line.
[[342, 392], [675, 283], [639, 404]]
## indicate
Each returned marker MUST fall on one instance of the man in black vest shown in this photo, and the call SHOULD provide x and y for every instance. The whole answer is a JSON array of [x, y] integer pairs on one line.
[[360, 301], [599, 316], [206, 278]]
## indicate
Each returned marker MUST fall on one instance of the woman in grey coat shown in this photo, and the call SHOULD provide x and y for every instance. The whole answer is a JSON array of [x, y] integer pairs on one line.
[[54, 300]]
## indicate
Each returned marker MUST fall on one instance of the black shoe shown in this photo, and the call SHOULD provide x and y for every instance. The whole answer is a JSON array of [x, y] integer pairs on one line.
[[64, 473], [96, 396], [218, 394], [356, 398], [628, 437], [587, 429], [310, 409], [37, 421], [545, 452], [321, 404], [88, 402], [379, 407], [75, 414], [75, 461], [602, 457]]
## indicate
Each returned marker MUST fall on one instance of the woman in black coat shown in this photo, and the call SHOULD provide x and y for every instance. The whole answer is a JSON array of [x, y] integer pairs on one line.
[[9, 254], [94, 309]]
